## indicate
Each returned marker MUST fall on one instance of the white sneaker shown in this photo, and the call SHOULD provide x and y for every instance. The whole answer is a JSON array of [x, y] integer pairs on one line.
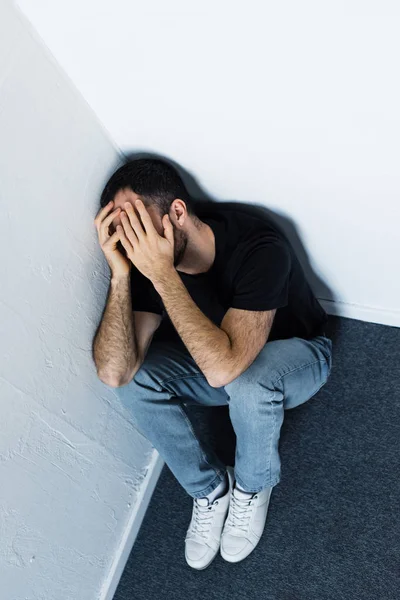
[[204, 533], [245, 523]]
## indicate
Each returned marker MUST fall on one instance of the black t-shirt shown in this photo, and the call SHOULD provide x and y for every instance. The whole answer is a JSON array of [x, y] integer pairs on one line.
[[255, 268]]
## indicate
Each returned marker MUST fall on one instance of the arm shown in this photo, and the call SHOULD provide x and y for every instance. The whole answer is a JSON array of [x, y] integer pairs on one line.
[[222, 353], [115, 348], [123, 337]]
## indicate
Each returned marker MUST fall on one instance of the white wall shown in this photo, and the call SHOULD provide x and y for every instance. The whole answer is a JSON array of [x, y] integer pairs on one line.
[[292, 105], [71, 463]]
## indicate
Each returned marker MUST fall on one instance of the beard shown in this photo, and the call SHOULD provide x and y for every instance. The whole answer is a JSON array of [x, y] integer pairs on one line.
[[180, 243]]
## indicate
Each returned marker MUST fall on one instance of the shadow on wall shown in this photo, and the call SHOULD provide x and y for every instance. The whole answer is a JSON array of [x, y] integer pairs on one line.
[[283, 223], [214, 425]]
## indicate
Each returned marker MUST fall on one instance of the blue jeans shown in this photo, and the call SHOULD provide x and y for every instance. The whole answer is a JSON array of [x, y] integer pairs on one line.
[[285, 374]]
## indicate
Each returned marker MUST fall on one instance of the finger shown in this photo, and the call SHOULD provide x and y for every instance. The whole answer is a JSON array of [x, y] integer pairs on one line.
[[113, 239], [134, 221], [104, 225], [102, 213], [146, 219], [168, 229], [130, 233], [125, 242]]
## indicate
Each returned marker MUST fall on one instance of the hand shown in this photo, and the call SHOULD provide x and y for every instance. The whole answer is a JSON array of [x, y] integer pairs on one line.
[[117, 262], [151, 253]]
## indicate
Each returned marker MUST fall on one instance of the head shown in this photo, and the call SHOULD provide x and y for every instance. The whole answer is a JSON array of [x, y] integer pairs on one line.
[[162, 191]]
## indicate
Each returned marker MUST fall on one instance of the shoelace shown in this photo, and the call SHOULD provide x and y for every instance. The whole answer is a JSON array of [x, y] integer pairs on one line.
[[202, 517], [239, 512]]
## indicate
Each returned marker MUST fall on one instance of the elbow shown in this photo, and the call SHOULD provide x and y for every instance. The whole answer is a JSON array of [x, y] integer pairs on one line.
[[114, 381], [217, 380]]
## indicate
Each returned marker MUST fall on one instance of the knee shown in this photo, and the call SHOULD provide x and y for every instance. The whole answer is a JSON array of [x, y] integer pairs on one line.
[[250, 386], [146, 378], [241, 388]]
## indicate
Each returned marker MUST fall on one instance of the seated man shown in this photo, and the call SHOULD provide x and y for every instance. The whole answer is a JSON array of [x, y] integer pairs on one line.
[[206, 306]]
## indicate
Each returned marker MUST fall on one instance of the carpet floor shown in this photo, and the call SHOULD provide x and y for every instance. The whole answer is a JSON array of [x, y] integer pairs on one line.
[[333, 525]]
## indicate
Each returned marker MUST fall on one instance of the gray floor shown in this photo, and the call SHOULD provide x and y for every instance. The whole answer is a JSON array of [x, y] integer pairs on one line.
[[333, 527]]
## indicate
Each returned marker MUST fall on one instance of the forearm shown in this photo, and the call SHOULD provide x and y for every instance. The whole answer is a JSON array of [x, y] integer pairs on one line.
[[209, 345], [115, 346]]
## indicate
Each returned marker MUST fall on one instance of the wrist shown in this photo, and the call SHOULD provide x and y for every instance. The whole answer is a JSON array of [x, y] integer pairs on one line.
[[165, 279], [118, 278]]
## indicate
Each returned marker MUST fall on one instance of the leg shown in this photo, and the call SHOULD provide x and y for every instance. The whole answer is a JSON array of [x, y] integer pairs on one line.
[[285, 374], [156, 397]]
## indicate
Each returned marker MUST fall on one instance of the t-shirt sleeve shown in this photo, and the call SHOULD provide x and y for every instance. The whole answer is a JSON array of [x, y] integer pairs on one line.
[[262, 280], [144, 296]]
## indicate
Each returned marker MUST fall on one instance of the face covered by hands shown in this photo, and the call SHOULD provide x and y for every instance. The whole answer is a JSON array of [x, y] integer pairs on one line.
[[151, 253]]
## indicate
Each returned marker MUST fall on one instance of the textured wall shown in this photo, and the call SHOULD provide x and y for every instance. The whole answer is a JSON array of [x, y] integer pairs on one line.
[[71, 463], [292, 105]]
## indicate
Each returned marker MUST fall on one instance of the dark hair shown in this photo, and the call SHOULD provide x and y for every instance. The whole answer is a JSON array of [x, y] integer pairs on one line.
[[155, 180]]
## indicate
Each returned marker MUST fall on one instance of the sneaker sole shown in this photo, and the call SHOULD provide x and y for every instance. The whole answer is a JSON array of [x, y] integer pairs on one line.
[[205, 566]]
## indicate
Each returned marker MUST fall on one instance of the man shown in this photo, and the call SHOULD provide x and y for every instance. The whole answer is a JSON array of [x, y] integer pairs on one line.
[[212, 308]]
